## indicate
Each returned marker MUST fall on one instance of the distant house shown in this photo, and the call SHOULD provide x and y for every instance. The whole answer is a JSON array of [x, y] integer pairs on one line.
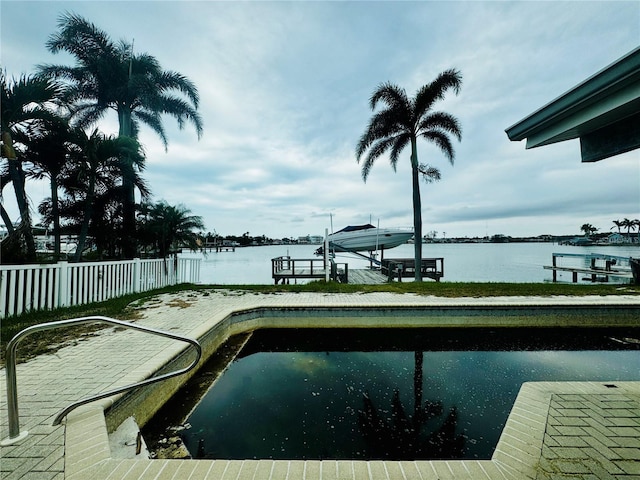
[[617, 238]]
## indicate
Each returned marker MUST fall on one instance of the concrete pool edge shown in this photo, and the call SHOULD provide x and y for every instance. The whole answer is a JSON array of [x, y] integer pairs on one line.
[[519, 453], [510, 459], [49, 382]]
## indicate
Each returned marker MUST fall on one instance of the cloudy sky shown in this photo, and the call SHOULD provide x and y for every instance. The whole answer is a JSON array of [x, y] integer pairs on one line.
[[284, 92]]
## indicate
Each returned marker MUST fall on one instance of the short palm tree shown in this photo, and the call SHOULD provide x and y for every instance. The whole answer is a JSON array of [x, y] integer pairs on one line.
[[168, 227], [109, 75], [23, 102], [630, 225], [401, 123], [618, 224], [46, 150], [94, 173], [636, 224], [588, 229]]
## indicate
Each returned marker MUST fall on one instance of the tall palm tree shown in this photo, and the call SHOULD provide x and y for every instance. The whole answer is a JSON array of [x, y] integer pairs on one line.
[[109, 75], [402, 121], [23, 103]]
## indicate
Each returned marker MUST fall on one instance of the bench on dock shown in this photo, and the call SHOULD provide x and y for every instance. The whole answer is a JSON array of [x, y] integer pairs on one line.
[[595, 267], [405, 267], [285, 268]]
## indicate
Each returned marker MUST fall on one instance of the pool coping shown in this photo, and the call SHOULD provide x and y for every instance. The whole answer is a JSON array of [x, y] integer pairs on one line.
[[518, 455], [520, 452]]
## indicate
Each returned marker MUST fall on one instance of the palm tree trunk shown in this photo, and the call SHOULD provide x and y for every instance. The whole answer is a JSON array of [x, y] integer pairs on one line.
[[55, 212], [417, 212], [129, 243], [129, 218], [17, 178], [88, 213]]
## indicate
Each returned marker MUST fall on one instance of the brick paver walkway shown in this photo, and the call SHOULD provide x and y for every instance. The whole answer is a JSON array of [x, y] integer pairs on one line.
[[592, 436], [582, 431]]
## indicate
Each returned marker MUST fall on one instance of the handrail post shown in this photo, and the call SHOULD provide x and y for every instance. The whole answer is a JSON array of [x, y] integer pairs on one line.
[[15, 435]]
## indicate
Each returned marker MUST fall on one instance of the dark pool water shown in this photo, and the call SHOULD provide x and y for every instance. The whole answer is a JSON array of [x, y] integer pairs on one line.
[[391, 394]]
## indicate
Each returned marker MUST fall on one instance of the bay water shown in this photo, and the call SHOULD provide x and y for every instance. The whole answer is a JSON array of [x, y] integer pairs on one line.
[[463, 262]]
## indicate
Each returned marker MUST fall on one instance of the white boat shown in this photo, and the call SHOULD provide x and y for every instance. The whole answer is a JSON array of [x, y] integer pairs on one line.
[[367, 238], [45, 246]]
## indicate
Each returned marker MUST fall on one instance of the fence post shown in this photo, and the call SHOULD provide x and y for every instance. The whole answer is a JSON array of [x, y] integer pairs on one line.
[[328, 266], [136, 274], [64, 287]]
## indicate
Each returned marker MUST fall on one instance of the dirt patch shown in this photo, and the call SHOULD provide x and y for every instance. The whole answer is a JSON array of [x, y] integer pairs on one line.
[[180, 303], [50, 341]]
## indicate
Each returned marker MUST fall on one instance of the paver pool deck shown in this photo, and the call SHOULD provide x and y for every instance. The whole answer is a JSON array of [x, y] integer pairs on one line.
[[577, 430]]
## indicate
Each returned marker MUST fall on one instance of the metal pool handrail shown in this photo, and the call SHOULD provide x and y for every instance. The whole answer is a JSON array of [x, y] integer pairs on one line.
[[12, 391]]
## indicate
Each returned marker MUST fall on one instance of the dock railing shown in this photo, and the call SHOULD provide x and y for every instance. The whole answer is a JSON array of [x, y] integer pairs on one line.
[[285, 268]]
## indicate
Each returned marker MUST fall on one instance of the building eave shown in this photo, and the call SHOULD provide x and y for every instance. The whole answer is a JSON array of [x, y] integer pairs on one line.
[[604, 99]]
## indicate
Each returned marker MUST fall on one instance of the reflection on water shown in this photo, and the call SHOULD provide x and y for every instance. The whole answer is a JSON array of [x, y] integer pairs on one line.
[[304, 394]]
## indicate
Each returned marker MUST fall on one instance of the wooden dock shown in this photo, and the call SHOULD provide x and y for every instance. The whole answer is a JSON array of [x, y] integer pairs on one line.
[[363, 276], [284, 269], [217, 247], [594, 267]]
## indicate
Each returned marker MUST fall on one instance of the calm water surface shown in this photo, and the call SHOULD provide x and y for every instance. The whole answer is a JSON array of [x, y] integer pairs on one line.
[[300, 394], [472, 262]]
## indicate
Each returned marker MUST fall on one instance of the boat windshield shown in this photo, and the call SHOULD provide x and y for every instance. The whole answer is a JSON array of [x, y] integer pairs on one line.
[[353, 228]]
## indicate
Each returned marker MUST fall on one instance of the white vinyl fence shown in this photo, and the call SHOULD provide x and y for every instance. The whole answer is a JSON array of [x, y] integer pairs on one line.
[[40, 287]]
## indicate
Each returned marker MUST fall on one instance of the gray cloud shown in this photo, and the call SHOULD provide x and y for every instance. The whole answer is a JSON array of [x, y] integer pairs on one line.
[[284, 97]]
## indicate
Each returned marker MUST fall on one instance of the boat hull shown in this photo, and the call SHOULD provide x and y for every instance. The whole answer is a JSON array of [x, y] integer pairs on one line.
[[370, 240]]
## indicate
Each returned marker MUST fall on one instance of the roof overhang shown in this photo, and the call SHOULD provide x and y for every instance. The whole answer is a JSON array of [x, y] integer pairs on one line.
[[603, 111]]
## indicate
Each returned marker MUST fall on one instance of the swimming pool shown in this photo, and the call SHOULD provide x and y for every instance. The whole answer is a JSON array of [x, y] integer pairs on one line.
[[352, 393]]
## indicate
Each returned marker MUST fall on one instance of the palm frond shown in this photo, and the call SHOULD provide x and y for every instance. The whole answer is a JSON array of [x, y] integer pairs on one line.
[[429, 173], [153, 121], [401, 141], [375, 151], [80, 38], [181, 111], [394, 96], [441, 140], [169, 80], [23, 98], [428, 94], [383, 124], [441, 121]]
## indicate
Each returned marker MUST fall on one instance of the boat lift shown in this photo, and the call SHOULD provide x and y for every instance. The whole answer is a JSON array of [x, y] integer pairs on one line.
[[337, 248]]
